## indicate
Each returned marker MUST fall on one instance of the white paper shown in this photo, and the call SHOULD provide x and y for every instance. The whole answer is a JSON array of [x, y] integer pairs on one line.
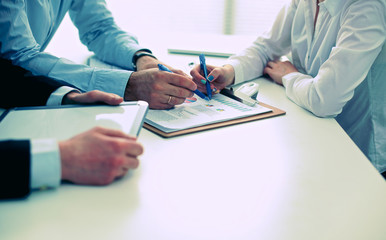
[[198, 112]]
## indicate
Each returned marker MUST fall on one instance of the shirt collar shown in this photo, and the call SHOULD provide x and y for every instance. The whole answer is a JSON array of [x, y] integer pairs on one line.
[[333, 6]]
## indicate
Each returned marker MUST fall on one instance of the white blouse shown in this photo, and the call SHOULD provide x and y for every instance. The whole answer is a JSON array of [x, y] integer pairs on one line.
[[341, 63]]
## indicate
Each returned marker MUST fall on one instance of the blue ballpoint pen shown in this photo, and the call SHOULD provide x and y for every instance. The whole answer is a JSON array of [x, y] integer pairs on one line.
[[200, 94], [203, 67]]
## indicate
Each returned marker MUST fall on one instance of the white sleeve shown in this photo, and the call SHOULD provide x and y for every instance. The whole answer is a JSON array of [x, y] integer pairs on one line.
[[250, 63], [45, 164], [56, 97], [358, 43]]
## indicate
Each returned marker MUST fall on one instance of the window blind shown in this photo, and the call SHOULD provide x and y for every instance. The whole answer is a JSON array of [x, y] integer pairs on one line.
[[238, 17]]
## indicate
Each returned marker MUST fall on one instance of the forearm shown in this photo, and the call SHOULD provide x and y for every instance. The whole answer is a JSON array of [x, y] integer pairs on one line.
[[309, 93], [23, 49], [78, 75], [346, 65], [250, 63], [98, 31]]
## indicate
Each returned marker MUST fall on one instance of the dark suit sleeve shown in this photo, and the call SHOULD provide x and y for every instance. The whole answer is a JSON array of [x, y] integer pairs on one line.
[[19, 88], [14, 169]]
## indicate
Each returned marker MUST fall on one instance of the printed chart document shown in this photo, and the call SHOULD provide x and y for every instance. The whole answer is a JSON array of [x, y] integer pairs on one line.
[[196, 112]]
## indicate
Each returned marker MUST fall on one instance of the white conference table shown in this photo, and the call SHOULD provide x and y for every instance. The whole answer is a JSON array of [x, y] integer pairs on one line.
[[295, 176]]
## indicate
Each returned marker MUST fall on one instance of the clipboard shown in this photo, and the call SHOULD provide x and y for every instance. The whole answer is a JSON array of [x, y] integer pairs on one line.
[[63, 122], [222, 123], [151, 126]]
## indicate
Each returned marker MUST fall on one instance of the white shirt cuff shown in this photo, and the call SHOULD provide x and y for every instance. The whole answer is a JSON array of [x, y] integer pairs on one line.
[[286, 78], [56, 97], [45, 164], [239, 74]]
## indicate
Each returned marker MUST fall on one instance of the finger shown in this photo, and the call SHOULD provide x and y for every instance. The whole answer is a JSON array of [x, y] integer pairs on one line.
[[88, 97], [111, 99], [132, 162], [175, 100], [201, 87], [179, 92], [195, 73], [113, 133], [180, 72], [182, 82], [267, 70], [178, 101], [162, 106], [98, 96], [270, 64], [129, 162], [159, 105], [213, 75], [169, 100], [108, 98], [121, 172], [176, 85], [215, 89], [132, 148]]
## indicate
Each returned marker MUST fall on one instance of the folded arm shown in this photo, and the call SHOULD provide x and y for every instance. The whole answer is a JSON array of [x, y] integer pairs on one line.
[[359, 41]]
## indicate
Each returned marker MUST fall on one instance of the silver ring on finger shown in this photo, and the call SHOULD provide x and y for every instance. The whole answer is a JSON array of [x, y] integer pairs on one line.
[[170, 99]]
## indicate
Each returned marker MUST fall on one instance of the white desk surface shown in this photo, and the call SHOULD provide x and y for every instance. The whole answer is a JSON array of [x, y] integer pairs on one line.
[[290, 177]]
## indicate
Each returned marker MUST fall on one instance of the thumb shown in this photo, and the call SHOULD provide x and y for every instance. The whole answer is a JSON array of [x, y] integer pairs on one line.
[[97, 96], [113, 133]]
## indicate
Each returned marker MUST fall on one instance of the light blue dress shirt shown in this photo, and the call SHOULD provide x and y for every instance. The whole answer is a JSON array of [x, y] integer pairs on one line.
[[341, 63], [27, 26]]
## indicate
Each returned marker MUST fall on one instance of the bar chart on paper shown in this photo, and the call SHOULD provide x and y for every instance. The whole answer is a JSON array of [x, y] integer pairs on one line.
[[198, 112]]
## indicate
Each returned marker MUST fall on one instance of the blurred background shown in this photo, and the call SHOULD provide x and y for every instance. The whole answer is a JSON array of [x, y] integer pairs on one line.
[[231, 17], [225, 26]]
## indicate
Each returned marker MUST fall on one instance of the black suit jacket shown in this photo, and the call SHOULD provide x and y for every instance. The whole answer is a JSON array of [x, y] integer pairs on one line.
[[14, 169], [19, 88]]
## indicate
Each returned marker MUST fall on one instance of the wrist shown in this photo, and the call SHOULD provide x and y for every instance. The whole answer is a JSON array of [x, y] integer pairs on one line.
[[147, 62], [143, 58], [68, 98], [64, 156], [230, 73], [130, 87]]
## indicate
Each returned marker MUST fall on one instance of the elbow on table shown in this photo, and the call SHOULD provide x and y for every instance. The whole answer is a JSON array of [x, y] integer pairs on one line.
[[325, 103], [325, 109]]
